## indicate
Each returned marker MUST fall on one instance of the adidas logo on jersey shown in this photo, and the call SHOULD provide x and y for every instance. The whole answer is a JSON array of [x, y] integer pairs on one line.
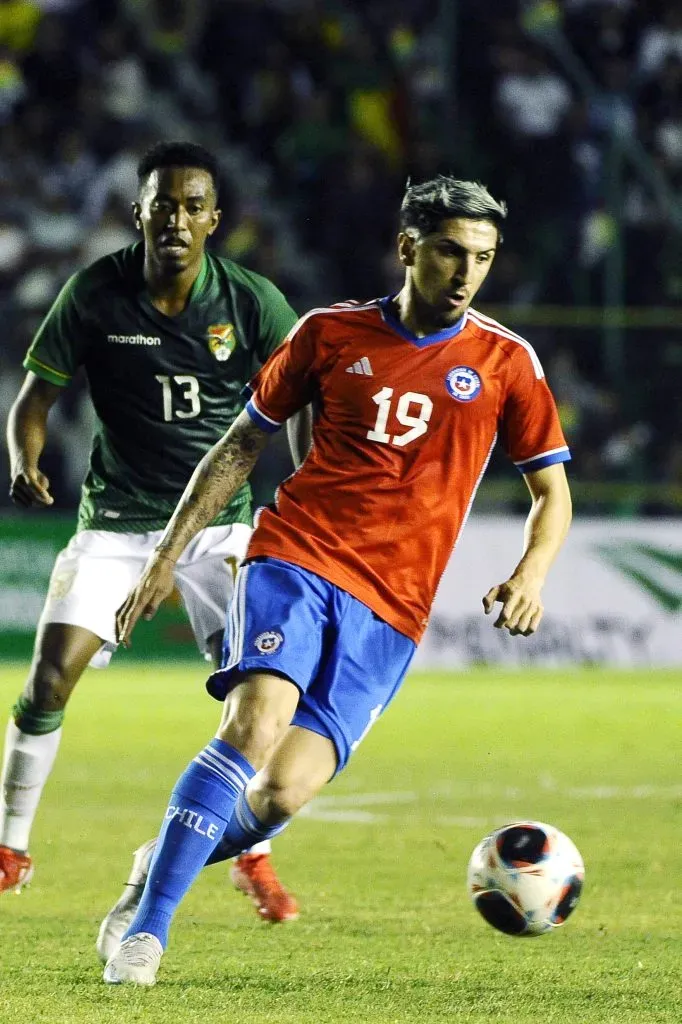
[[362, 366]]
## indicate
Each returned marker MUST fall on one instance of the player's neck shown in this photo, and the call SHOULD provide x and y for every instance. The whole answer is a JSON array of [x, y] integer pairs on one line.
[[413, 315], [169, 292]]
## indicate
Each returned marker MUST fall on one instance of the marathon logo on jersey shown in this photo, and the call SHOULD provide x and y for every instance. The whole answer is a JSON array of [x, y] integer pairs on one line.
[[133, 339], [463, 383], [221, 341], [268, 642]]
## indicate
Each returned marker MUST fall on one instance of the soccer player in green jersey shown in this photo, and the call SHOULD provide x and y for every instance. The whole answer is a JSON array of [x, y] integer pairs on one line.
[[168, 334]]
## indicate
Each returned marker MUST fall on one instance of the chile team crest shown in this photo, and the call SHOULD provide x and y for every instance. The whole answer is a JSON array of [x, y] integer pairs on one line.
[[463, 383], [221, 341], [269, 642]]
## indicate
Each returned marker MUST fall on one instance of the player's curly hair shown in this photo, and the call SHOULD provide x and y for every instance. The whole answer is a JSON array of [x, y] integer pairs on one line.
[[178, 154], [424, 206]]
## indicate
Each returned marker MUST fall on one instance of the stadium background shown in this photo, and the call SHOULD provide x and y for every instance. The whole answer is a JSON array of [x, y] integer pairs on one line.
[[319, 111]]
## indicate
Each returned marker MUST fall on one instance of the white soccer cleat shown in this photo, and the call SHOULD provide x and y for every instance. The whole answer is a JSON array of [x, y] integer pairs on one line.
[[120, 917], [135, 962]]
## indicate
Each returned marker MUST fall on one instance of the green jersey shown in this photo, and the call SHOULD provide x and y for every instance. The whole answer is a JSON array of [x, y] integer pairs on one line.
[[165, 389]]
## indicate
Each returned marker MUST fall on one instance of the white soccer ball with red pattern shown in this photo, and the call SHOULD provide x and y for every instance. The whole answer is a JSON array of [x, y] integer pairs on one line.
[[526, 878]]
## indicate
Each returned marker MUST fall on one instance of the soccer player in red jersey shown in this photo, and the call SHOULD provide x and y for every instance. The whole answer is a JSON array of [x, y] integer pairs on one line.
[[411, 393]]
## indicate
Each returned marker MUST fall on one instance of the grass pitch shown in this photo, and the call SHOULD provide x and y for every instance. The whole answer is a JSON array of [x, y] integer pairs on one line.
[[387, 933]]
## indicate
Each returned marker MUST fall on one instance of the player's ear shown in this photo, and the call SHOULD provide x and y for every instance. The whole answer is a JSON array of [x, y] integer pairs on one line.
[[215, 220], [137, 215], [406, 249]]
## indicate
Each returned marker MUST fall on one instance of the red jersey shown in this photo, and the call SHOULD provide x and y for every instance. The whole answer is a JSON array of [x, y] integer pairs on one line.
[[403, 432]]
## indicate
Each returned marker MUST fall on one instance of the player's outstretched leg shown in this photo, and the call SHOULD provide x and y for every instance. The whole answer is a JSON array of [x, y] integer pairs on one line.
[[252, 873], [200, 805], [256, 714], [32, 741], [303, 762]]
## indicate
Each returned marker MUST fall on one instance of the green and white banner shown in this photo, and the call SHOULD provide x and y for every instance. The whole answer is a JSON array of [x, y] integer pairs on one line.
[[613, 597], [29, 544]]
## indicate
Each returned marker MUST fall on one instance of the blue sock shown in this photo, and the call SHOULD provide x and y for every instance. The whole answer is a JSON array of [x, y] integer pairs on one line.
[[243, 831], [200, 806]]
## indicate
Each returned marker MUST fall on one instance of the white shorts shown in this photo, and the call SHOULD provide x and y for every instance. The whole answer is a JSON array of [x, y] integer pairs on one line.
[[94, 574]]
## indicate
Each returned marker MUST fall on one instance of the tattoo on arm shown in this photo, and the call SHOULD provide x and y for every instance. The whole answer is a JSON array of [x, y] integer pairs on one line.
[[215, 481]]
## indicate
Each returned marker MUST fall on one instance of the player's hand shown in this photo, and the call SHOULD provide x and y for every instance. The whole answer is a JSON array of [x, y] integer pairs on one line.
[[154, 586], [522, 608], [29, 488]]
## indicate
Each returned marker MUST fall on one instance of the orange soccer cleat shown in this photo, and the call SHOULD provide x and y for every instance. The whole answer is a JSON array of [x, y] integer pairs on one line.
[[254, 875], [16, 869]]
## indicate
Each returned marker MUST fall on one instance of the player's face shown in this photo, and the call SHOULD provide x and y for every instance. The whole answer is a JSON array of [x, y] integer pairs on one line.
[[176, 213], [447, 267]]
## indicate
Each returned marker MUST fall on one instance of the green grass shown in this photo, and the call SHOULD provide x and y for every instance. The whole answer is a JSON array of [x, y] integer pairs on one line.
[[387, 933]]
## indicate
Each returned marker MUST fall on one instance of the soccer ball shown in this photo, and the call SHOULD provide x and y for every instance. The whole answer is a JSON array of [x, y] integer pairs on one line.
[[525, 878]]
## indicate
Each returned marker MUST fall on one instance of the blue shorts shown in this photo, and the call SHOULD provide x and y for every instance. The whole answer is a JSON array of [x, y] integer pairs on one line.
[[346, 661]]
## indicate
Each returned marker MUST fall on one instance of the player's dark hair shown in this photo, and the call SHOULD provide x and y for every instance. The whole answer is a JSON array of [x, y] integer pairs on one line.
[[425, 206], [178, 154]]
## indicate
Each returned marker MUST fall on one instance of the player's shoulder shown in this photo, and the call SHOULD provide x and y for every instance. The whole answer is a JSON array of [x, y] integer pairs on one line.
[[340, 314], [513, 345], [106, 274], [247, 283]]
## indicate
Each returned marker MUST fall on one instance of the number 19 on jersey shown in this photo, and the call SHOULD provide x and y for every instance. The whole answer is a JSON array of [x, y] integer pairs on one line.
[[418, 423]]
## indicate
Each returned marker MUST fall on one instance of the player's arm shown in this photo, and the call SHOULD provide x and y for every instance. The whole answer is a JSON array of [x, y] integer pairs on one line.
[[26, 436], [215, 481], [54, 356], [546, 528]]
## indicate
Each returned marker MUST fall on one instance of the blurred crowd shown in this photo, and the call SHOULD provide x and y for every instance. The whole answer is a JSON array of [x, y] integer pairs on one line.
[[320, 110]]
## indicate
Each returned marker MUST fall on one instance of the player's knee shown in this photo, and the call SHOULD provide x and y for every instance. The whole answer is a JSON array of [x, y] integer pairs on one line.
[[275, 800], [50, 685], [254, 728], [35, 721]]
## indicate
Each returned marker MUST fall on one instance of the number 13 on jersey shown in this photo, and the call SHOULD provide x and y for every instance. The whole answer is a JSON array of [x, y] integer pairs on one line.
[[190, 397], [411, 410]]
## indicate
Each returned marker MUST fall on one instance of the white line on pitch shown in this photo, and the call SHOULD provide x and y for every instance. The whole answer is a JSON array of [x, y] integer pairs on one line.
[[368, 799], [349, 807]]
